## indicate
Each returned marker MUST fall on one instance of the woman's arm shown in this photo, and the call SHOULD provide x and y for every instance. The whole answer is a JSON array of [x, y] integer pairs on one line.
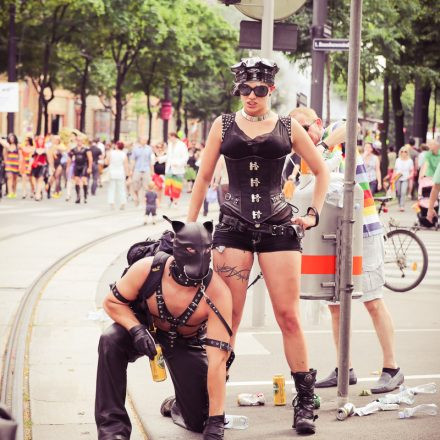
[[303, 145], [126, 166], [378, 175], [206, 170]]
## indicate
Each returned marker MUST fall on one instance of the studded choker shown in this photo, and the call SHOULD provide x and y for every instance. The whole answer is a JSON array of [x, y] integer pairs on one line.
[[255, 118], [181, 278]]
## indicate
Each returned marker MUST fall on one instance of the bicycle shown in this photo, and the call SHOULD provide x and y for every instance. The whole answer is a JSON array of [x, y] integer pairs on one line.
[[406, 257]]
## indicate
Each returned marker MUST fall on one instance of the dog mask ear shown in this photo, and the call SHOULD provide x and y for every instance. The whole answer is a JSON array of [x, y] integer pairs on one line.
[[175, 224], [209, 226]]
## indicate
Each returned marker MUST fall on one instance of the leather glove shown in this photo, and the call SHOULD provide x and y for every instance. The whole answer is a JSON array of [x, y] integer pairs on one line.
[[214, 428], [143, 341]]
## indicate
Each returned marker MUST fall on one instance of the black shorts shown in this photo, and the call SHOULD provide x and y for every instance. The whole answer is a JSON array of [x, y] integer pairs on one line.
[[38, 171], [227, 236], [150, 210], [80, 171]]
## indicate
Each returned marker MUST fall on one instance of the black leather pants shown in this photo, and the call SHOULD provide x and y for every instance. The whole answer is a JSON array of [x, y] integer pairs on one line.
[[187, 365]]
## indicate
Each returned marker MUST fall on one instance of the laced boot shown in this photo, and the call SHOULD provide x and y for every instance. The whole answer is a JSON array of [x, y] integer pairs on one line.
[[303, 418]]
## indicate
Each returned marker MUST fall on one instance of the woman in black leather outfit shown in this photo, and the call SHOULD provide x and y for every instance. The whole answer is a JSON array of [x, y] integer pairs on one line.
[[256, 218]]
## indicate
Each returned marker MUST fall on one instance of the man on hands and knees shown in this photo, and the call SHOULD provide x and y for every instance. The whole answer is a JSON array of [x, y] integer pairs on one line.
[[330, 143], [191, 309]]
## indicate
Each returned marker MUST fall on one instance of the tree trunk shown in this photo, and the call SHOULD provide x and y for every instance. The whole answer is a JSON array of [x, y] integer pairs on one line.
[[396, 93], [43, 83], [434, 119], [422, 94], [185, 115], [119, 106], [83, 95], [166, 97], [385, 125], [178, 108], [150, 118], [327, 85], [12, 58], [40, 108], [364, 96]]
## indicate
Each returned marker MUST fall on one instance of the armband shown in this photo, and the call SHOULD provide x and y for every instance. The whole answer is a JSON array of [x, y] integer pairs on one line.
[[118, 294], [315, 214]]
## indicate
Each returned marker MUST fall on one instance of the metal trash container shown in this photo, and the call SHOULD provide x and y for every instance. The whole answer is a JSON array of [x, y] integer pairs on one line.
[[8, 426], [320, 244]]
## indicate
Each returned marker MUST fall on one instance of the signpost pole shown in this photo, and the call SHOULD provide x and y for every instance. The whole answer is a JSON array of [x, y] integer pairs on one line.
[[12, 58], [345, 272], [318, 58], [259, 289]]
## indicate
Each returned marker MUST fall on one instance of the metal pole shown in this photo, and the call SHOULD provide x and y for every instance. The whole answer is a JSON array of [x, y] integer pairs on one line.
[[346, 278], [318, 57], [259, 289], [12, 59]]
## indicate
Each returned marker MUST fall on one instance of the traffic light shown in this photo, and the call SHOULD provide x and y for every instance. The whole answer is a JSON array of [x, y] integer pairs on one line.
[[230, 2]]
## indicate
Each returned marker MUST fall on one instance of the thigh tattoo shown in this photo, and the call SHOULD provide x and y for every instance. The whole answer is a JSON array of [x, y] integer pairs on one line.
[[229, 271]]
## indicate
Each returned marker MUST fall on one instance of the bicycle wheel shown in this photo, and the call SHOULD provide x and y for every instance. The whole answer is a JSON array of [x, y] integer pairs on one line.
[[406, 260]]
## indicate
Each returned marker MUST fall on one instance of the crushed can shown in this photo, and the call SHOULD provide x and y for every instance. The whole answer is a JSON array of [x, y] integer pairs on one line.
[[279, 390], [345, 411], [248, 399], [157, 366], [316, 401]]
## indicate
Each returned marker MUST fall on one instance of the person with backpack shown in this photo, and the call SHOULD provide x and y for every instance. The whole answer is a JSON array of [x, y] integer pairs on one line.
[[178, 302]]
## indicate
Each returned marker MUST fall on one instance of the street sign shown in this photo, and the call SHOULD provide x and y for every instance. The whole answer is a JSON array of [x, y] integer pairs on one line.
[[282, 8], [330, 44], [9, 97], [285, 36]]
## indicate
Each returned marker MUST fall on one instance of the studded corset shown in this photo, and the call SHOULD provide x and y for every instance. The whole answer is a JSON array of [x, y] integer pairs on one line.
[[254, 168]]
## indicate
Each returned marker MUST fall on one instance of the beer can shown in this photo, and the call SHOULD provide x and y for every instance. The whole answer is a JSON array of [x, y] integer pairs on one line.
[[345, 411], [316, 401], [157, 366], [279, 390]]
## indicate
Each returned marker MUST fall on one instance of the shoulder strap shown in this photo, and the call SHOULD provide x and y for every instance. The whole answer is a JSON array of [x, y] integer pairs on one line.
[[287, 122], [155, 276], [227, 120]]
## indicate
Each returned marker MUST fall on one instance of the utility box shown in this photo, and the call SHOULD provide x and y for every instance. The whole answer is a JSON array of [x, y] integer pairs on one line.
[[322, 245]]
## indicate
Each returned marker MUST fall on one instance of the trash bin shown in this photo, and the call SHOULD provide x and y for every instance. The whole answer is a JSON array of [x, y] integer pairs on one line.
[[8, 426], [320, 244]]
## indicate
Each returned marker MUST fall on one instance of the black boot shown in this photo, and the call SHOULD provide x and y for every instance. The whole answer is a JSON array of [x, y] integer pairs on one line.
[[303, 418], [85, 188], [78, 194]]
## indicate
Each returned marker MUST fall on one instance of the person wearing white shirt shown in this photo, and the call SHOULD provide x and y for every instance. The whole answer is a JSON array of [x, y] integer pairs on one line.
[[405, 167], [177, 157], [118, 170]]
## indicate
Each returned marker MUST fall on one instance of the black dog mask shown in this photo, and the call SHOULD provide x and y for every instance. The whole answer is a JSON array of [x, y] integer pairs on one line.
[[192, 249]]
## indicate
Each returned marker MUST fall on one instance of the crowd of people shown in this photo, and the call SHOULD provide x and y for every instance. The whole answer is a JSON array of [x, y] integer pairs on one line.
[[48, 166]]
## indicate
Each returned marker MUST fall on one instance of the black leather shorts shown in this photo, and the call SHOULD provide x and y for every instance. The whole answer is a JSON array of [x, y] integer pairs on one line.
[[253, 241]]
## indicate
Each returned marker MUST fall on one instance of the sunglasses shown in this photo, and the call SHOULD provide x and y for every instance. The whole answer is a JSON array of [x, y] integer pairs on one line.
[[307, 126], [259, 91]]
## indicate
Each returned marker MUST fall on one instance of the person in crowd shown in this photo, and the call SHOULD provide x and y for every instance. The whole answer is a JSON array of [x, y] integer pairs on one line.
[[392, 156], [11, 155], [431, 160], [119, 171], [82, 156], [159, 164], [372, 165], [142, 168], [421, 159], [97, 156], [25, 161], [55, 155], [413, 154], [39, 167], [2, 169], [433, 196], [255, 218], [194, 338], [177, 157], [403, 173], [191, 169], [150, 203], [372, 261]]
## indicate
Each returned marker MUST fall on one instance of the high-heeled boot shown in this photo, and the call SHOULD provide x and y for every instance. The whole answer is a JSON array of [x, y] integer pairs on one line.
[[303, 417]]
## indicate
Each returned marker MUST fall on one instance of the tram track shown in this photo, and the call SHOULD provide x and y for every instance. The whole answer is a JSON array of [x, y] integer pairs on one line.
[[14, 386]]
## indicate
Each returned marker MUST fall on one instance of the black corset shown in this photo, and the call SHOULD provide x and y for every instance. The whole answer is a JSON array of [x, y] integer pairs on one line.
[[254, 169]]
